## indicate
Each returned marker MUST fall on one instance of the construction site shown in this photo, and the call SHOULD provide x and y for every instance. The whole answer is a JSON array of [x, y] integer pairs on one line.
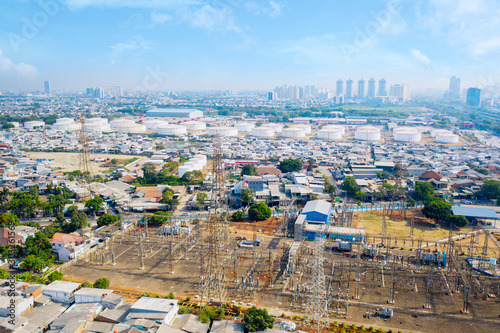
[[399, 282]]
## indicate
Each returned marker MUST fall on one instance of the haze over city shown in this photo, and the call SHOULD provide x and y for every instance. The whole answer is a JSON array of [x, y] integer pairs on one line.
[[246, 45]]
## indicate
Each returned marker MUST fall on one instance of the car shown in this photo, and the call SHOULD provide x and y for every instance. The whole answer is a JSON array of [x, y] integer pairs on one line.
[[16, 264]]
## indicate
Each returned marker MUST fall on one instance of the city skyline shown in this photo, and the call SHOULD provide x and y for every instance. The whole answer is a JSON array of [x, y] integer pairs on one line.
[[245, 45]]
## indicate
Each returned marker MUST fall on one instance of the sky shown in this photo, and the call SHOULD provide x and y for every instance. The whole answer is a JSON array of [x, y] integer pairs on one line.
[[246, 45]]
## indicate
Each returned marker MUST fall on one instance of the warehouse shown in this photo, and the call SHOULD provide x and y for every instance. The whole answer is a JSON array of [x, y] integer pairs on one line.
[[186, 113], [157, 309]]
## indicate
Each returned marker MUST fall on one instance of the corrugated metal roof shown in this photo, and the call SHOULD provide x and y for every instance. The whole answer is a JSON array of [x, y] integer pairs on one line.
[[478, 212], [320, 206]]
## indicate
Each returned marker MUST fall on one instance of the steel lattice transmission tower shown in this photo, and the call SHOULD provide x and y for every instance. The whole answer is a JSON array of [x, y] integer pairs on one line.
[[213, 281], [316, 293], [84, 156]]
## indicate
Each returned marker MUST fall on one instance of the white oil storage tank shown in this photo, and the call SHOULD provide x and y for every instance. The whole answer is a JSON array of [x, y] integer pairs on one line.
[[406, 134], [446, 138], [154, 124], [435, 132], [222, 131], [335, 127], [66, 124], [330, 133], [263, 132], [171, 129], [97, 125], [306, 128], [131, 128], [278, 128], [294, 132], [244, 127], [367, 133], [115, 123], [195, 125], [33, 124]]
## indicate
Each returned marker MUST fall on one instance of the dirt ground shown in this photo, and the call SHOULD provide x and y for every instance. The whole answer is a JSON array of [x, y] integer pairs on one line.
[[69, 161]]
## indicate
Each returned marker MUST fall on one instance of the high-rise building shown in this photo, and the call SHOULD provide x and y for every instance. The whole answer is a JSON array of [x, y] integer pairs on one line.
[[381, 88], [454, 92], [313, 90], [47, 88], [90, 92], [401, 92], [301, 92], [473, 97], [340, 87], [348, 88], [361, 89], [307, 91], [270, 96], [371, 88]]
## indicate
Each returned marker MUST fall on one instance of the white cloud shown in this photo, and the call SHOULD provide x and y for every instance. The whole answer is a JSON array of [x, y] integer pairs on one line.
[[473, 26], [210, 18], [134, 46], [16, 75], [79, 4], [421, 58], [160, 18], [273, 8]]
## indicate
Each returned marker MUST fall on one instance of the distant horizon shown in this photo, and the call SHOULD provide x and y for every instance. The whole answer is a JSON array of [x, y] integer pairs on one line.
[[164, 45]]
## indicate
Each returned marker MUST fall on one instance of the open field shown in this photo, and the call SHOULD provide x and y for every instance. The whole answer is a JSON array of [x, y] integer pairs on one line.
[[70, 161]]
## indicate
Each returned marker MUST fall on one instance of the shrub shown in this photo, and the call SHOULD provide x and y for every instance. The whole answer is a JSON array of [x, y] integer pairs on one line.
[[101, 283]]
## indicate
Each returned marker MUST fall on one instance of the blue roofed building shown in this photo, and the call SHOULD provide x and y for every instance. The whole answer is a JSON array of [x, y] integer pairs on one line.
[[317, 211]]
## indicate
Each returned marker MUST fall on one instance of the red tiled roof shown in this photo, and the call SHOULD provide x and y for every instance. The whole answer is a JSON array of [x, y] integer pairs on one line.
[[66, 239], [431, 175]]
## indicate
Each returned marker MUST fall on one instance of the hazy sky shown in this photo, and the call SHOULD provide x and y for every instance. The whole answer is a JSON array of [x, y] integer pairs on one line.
[[239, 44]]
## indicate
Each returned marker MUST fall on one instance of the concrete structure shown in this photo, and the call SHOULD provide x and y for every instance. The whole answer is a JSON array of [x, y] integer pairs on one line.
[[473, 97], [367, 133], [294, 132], [263, 132], [171, 130], [175, 113], [194, 125], [244, 127], [61, 291], [222, 131], [406, 134], [91, 295], [157, 309], [33, 124]]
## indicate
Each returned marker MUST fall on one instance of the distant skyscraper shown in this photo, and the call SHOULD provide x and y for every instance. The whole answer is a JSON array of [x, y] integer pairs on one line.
[[361, 89], [47, 88], [340, 87], [313, 90], [371, 88], [90, 92], [454, 92], [270, 96], [301, 92], [348, 88], [307, 91], [98, 92], [401, 92], [473, 97], [381, 88]]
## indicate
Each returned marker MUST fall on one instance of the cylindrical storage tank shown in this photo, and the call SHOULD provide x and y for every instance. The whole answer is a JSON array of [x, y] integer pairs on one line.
[[384, 311], [446, 138], [171, 129], [367, 133], [406, 134], [33, 124], [276, 127], [244, 127], [294, 132], [306, 128], [131, 128], [335, 127], [66, 124], [115, 123], [97, 125], [263, 132], [195, 125], [493, 261], [184, 168], [223, 131], [330, 134], [435, 132], [154, 124], [390, 313]]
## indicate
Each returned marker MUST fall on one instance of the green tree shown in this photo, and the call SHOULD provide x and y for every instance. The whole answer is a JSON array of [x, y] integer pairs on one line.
[[360, 196], [424, 191], [482, 171], [458, 221], [259, 211], [310, 164], [56, 275], [247, 196], [290, 165], [86, 284], [257, 319], [167, 198], [33, 263], [209, 313], [491, 189], [101, 283], [7, 219], [78, 221], [437, 210], [149, 171], [38, 245], [249, 170], [201, 197], [94, 204], [4, 197], [238, 215], [107, 219], [350, 186]]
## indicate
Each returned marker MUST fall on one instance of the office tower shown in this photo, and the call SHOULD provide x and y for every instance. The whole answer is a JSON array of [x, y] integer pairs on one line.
[[348, 88], [454, 88], [361, 88], [340, 87], [371, 88], [401, 92], [115, 91], [313, 90], [98, 92], [90, 92], [47, 88], [301, 92], [307, 91], [381, 88], [473, 97], [270, 96]]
